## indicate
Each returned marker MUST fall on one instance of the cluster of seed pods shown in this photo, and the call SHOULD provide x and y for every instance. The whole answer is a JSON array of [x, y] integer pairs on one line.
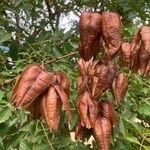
[[95, 76], [137, 54], [43, 93]]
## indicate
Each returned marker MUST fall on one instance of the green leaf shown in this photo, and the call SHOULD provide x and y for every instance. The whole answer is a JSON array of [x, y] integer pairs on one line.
[[1, 94], [5, 113], [25, 145], [132, 139], [144, 109]]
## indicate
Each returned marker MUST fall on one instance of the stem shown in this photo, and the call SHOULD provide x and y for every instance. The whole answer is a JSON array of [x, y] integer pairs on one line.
[[58, 58], [49, 142]]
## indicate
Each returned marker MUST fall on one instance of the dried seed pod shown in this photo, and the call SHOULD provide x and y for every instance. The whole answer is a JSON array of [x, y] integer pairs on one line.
[[87, 109], [111, 32], [105, 73], [51, 108], [135, 41], [119, 87], [63, 81], [147, 71], [125, 53], [144, 55], [32, 82], [65, 100], [79, 130], [102, 133], [82, 84], [34, 108], [108, 112], [135, 59], [90, 28]]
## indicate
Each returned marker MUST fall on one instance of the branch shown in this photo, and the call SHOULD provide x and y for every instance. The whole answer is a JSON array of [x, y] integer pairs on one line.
[[62, 57]]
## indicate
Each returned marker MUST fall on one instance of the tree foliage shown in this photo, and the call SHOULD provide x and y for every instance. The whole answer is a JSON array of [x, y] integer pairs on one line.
[[31, 32]]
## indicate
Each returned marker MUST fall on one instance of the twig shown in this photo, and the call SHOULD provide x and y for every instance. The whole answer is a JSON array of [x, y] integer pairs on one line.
[[49, 142], [58, 58]]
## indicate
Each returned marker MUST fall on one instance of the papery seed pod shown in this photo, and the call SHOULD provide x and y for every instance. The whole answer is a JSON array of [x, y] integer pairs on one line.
[[82, 84], [107, 111], [111, 32], [135, 59], [79, 130], [34, 108], [147, 71], [82, 109], [87, 110], [144, 55], [102, 133], [119, 87], [65, 100], [135, 51], [63, 80], [135, 41], [90, 28], [125, 53], [81, 67], [51, 108], [105, 73], [32, 82]]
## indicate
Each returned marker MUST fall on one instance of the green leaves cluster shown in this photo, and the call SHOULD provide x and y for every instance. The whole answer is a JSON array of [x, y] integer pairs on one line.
[[32, 32]]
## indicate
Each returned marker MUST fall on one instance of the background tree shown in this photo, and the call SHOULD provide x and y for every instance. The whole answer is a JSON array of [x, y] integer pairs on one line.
[[31, 31]]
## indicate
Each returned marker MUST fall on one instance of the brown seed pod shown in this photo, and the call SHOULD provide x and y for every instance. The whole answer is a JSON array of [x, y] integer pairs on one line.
[[108, 112], [125, 53], [63, 81], [135, 59], [111, 32], [31, 83], [34, 108], [135, 41], [64, 99], [87, 109], [105, 73], [119, 87], [79, 131], [102, 133], [51, 108], [147, 71], [90, 28], [135, 51], [144, 55]]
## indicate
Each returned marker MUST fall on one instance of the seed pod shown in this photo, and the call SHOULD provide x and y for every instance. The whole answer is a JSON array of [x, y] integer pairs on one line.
[[64, 99], [90, 28], [34, 108], [147, 71], [63, 81], [125, 53], [111, 32], [119, 87], [32, 82], [108, 112], [144, 55], [105, 73], [79, 131], [135, 52], [87, 110], [135, 59], [135, 41], [82, 84], [102, 133], [51, 108]]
